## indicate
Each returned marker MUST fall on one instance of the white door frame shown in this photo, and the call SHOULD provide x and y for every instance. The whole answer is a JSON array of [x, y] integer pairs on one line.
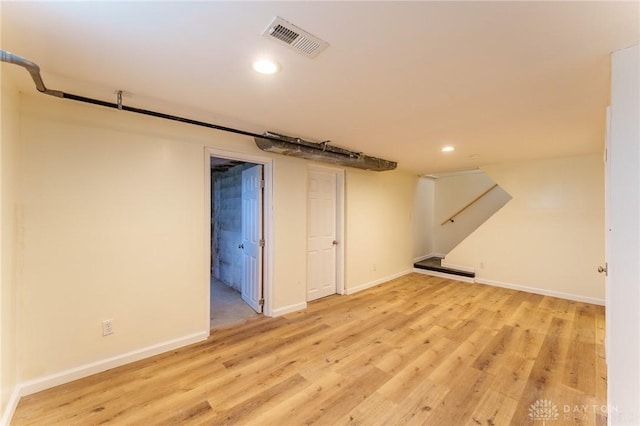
[[340, 220], [267, 212]]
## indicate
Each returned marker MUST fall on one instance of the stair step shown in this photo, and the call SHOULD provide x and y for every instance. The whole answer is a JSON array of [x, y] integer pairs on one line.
[[435, 264]]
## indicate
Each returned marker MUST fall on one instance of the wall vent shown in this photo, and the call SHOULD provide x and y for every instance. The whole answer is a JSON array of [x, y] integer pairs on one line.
[[294, 37]]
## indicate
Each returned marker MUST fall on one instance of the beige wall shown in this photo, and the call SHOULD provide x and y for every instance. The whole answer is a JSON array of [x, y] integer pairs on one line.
[[113, 219], [550, 236], [452, 193], [115, 228], [9, 125], [290, 215], [379, 219], [423, 210]]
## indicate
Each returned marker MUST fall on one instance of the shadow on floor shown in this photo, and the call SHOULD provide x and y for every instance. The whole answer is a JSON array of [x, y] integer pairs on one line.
[[227, 306]]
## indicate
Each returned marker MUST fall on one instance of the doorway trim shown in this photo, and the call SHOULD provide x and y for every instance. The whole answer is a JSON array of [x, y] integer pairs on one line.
[[267, 215], [340, 220]]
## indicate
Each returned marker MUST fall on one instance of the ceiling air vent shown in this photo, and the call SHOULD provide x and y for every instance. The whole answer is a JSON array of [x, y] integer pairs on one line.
[[295, 37]]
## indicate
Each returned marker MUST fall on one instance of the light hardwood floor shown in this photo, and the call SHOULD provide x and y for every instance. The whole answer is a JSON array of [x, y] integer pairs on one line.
[[415, 350]]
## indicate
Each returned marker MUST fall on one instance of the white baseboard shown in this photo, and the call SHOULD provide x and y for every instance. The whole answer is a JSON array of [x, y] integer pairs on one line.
[[458, 267], [46, 382], [10, 408], [288, 309], [427, 256], [542, 291], [444, 275], [374, 283]]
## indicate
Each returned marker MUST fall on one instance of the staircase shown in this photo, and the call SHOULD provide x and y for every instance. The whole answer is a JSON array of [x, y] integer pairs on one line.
[[435, 264], [459, 202]]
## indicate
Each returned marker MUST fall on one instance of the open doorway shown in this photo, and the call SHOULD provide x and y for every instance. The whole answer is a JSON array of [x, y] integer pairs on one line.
[[236, 241]]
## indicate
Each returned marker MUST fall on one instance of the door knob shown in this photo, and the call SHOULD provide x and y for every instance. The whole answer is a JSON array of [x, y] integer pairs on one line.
[[335, 242], [602, 269], [241, 246]]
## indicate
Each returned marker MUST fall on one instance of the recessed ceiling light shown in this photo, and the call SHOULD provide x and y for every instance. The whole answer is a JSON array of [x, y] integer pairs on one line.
[[265, 66], [448, 149]]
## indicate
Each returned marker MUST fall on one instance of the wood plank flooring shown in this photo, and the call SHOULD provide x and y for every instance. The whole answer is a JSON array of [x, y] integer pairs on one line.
[[415, 350]]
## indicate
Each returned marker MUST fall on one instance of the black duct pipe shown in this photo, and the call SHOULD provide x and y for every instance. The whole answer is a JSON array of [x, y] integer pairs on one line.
[[160, 115], [34, 71], [276, 143]]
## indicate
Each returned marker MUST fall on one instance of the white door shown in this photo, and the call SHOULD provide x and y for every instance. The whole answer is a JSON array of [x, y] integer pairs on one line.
[[321, 234], [623, 240], [252, 242]]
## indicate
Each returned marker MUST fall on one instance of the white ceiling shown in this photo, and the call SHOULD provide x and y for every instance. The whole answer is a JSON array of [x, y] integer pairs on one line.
[[501, 81]]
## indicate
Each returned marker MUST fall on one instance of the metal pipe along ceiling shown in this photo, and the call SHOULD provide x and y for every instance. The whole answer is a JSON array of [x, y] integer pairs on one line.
[[267, 141], [32, 68]]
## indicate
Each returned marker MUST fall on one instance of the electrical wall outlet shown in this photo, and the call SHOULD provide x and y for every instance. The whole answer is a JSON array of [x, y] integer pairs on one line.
[[107, 327]]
